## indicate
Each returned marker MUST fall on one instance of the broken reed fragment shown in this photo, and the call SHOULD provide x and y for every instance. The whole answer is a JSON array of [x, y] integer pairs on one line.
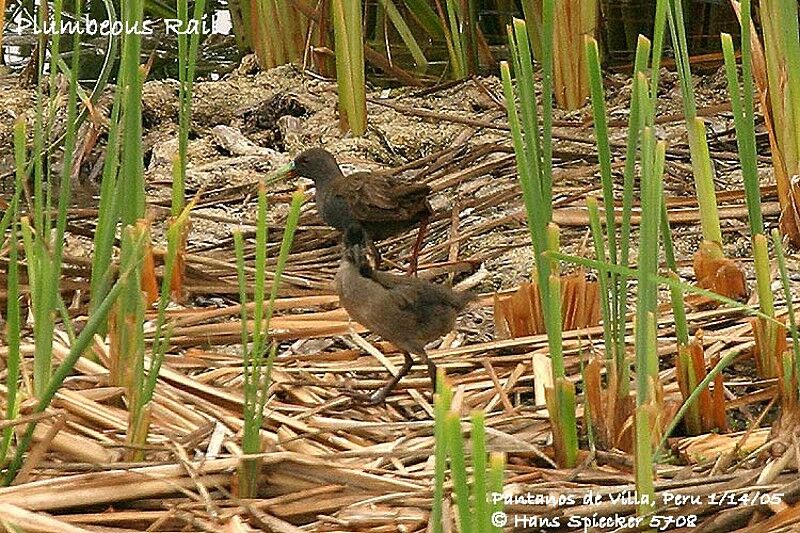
[[520, 314]]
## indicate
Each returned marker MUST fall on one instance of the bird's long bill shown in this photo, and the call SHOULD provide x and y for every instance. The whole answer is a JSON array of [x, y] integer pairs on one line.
[[281, 173]]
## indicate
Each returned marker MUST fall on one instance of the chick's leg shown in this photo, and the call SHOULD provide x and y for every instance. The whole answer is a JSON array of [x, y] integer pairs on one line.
[[431, 370], [379, 396]]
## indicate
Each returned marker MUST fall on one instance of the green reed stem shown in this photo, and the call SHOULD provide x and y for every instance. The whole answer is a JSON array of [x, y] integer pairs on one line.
[[131, 77], [350, 64], [441, 405], [647, 291], [108, 213], [405, 33], [603, 278], [676, 294], [458, 470], [635, 124], [497, 462], [744, 119], [787, 295], [698, 144], [257, 370], [82, 342], [187, 62], [480, 496]]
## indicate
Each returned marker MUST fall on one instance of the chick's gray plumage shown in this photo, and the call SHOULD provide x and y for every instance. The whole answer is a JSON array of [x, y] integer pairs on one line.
[[408, 312]]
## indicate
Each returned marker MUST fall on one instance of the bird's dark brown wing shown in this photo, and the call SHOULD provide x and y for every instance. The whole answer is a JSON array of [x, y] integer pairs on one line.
[[377, 198]]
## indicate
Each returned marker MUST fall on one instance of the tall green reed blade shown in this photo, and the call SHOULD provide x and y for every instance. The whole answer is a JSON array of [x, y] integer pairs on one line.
[[698, 144], [425, 15], [561, 404], [497, 462], [139, 424], [603, 278], [441, 405], [603, 146], [81, 344], [480, 494], [187, 61], [458, 470], [131, 78], [744, 118], [458, 21], [653, 155], [533, 153], [350, 65], [129, 317], [652, 169], [548, 9], [610, 322], [108, 213], [659, 28], [163, 332], [253, 358], [469, 11], [405, 33], [44, 243], [643, 449], [766, 352], [13, 337], [457, 68], [635, 125], [256, 367], [741, 95], [647, 293], [676, 294], [530, 147], [127, 182], [476, 505], [763, 275], [454, 17], [787, 295], [636, 122], [553, 315], [13, 318], [653, 158]]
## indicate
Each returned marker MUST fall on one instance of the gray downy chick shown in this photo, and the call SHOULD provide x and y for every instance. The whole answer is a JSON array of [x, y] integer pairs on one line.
[[408, 312]]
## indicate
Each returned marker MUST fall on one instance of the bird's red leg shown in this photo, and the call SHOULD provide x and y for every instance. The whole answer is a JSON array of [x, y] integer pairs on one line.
[[423, 230]]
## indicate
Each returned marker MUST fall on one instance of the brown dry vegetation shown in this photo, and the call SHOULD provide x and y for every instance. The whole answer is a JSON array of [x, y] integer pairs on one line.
[[329, 465]]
